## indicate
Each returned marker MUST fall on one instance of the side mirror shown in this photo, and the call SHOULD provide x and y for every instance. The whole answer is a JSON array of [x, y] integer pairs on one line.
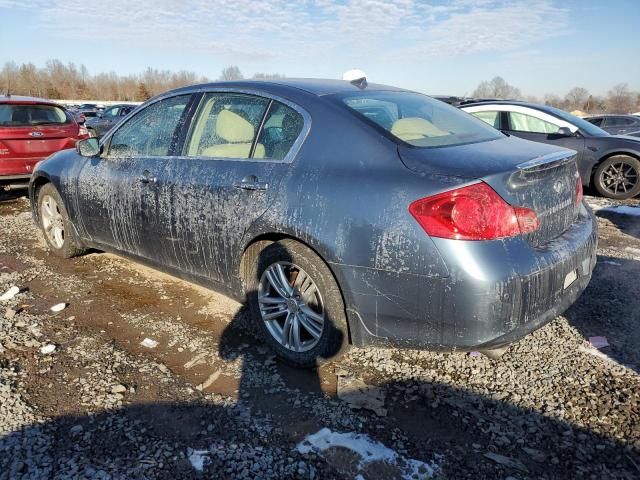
[[99, 114], [565, 132], [89, 147]]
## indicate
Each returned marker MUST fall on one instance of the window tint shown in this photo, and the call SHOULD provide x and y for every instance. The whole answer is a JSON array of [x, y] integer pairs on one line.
[[28, 115], [281, 129], [151, 131], [491, 118], [596, 121], [226, 125], [418, 119], [618, 122], [522, 122]]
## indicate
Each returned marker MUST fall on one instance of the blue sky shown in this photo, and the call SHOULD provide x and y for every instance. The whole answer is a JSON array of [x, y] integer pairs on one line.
[[438, 47]]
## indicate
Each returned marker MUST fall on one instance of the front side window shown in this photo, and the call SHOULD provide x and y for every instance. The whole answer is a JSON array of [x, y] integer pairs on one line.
[[280, 131], [490, 118], [26, 115], [151, 132], [226, 125], [417, 119], [522, 122], [596, 121]]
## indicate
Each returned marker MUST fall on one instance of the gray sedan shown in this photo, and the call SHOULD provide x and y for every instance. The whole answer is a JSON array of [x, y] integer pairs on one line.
[[340, 213], [112, 115]]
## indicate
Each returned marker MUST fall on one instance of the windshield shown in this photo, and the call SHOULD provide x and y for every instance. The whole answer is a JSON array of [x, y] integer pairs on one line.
[[583, 125], [22, 115], [419, 120]]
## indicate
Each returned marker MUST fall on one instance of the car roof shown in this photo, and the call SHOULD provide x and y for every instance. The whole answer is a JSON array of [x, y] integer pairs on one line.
[[17, 99], [315, 86], [544, 108]]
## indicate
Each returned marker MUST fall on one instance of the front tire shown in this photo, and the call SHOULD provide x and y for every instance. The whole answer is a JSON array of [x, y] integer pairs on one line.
[[296, 304], [55, 224], [618, 177]]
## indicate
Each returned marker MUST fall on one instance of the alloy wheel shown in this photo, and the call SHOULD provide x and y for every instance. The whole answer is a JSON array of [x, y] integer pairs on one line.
[[619, 177], [291, 306], [52, 221]]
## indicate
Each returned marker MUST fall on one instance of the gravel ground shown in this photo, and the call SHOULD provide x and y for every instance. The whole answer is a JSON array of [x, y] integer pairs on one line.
[[80, 397]]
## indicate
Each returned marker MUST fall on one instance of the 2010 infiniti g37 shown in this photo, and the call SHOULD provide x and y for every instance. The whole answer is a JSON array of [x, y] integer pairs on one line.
[[342, 214]]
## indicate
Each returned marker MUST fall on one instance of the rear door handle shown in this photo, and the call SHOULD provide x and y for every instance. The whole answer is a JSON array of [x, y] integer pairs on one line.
[[250, 182], [146, 177]]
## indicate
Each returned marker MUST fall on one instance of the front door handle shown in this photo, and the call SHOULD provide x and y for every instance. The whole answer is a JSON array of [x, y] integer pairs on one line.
[[146, 177], [250, 182]]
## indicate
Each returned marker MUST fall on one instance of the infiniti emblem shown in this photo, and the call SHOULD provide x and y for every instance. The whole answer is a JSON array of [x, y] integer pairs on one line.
[[558, 186], [36, 134]]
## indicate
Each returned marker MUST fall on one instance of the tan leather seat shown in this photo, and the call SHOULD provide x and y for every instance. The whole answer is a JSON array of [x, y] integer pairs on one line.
[[238, 134], [415, 128]]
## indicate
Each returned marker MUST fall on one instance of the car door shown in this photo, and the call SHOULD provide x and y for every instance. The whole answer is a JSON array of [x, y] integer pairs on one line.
[[103, 124], [237, 150], [117, 193], [532, 127]]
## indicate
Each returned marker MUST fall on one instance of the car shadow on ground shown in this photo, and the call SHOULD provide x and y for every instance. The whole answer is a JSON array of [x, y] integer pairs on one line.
[[168, 440], [628, 224], [609, 308]]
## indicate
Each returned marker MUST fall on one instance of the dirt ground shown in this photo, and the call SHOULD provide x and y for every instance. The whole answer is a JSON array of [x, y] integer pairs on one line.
[[211, 401]]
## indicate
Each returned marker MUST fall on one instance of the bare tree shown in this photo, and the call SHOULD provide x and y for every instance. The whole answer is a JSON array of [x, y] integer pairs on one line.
[[230, 73], [268, 76], [553, 100], [497, 87], [577, 99], [620, 99]]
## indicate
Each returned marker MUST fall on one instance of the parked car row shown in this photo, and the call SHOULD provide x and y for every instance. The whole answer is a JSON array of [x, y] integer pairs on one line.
[[341, 213]]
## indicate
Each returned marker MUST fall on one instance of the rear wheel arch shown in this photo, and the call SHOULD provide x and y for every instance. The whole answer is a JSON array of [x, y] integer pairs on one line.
[[260, 242]]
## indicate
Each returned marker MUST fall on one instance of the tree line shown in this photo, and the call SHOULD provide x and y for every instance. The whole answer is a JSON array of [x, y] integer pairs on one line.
[[57, 80], [619, 99]]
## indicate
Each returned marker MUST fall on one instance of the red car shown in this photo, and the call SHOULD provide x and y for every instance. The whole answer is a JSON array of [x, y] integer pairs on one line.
[[31, 129]]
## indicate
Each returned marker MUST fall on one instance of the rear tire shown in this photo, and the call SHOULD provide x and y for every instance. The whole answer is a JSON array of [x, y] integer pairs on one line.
[[618, 177], [55, 224], [304, 320]]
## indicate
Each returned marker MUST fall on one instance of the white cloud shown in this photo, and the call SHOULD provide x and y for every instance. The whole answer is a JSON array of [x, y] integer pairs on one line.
[[250, 30]]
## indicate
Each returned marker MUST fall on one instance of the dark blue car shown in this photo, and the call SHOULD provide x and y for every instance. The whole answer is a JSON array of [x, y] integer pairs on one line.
[[340, 213]]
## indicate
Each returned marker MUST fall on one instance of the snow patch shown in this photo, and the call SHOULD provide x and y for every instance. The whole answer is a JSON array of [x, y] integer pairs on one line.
[[368, 450], [197, 459]]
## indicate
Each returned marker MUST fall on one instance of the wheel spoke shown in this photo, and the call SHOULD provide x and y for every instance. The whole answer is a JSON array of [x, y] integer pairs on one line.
[[284, 280], [273, 315], [295, 333], [274, 280], [286, 331], [314, 330], [267, 300]]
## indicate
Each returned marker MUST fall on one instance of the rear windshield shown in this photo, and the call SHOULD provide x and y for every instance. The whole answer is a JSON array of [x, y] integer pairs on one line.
[[419, 120], [28, 115]]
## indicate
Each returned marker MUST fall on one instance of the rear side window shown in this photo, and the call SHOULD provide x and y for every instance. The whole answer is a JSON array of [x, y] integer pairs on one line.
[[151, 132], [618, 122], [417, 119], [280, 131], [29, 115], [226, 126]]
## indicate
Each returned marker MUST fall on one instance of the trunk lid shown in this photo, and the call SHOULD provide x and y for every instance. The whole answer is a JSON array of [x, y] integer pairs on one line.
[[37, 141], [527, 174]]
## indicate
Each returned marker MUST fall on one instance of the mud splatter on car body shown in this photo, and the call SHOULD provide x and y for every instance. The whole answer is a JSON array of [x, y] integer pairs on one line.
[[344, 189]]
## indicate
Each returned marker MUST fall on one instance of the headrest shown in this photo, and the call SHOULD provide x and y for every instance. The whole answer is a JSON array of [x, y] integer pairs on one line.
[[414, 128], [233, 128]]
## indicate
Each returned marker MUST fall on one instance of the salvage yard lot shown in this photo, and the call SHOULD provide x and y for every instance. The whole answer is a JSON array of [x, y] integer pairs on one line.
[[211, 401]]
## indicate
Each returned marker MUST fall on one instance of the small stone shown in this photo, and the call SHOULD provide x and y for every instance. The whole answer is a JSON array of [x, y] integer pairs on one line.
[[118, 388]]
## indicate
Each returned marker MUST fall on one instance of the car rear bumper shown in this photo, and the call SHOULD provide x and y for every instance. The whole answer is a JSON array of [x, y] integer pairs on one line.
[[496, 293]]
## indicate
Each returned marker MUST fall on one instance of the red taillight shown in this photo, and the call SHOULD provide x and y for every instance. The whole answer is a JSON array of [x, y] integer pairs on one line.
[[475, 212], [579, 191]]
